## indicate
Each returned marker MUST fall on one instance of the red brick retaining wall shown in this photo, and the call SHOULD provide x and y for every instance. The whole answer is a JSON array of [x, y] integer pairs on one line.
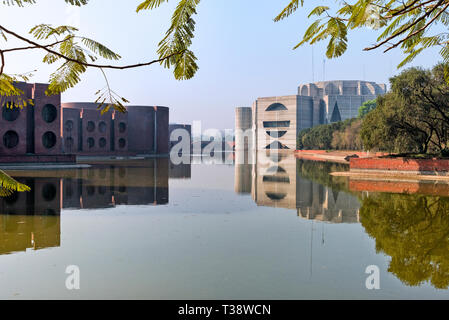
[[400, 164]]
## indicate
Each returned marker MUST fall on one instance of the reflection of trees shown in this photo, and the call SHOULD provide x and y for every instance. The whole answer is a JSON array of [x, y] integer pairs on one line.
[[414, 231], [319, 172]]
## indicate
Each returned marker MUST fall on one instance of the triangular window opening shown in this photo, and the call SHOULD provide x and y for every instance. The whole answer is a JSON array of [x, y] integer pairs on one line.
[[336, 116]]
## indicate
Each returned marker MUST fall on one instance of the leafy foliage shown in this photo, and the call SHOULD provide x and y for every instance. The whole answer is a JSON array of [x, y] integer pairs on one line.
[[8, 185], [367, 107], [413, 117], [409, 25], [178, 38], [342, 135], [74, 54]]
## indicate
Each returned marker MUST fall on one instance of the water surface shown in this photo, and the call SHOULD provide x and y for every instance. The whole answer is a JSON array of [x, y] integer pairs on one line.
[[279, 229]]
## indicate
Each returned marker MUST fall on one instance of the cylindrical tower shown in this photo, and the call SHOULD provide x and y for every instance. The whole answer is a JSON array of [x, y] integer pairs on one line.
[[243, 128]]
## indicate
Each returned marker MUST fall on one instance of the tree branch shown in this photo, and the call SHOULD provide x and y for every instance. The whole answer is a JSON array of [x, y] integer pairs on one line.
[[92, 65], [407, 28], [419, 30]]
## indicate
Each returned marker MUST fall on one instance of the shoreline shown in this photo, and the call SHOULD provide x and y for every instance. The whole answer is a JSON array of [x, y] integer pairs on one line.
[[333, 156], [369, 166]]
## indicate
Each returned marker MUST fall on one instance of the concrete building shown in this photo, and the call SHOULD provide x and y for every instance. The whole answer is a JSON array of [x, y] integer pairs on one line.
[[52, 129], [87, 132], [276, 121], [243, 126], [32, 130]]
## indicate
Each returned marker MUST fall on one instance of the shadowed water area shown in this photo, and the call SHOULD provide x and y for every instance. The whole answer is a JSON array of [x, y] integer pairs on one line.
[[281, 228]]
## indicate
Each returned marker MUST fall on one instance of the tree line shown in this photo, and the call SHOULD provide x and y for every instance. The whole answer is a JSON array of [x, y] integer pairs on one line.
[[412, 118]]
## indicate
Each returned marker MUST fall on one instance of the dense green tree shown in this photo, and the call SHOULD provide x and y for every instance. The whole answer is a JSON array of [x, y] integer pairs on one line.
[[413, 231], [413, 116], [342, 135], [367, 107], [348, 138]]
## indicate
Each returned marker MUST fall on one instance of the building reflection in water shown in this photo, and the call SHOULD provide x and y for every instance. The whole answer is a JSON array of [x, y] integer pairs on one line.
[[278, 179], [106, 186], [31, 220]]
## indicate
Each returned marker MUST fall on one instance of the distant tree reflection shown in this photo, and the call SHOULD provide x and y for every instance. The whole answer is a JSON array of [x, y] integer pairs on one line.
[[414, 231]]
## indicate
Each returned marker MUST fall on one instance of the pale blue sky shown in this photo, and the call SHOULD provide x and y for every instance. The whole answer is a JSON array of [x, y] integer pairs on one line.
[[242, 55]]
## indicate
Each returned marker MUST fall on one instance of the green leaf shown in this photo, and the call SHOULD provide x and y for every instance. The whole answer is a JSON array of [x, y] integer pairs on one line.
[[149, 4]]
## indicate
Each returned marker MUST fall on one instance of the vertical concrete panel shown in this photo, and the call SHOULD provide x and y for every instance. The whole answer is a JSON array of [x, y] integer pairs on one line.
[[71, 130], [96, 132], [243, 127], [47, 119], [121, 129], [17, 128], [162, 130]]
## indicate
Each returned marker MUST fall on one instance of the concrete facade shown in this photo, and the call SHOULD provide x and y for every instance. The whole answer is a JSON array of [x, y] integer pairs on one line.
[[87, 132], [34, 129], [276, 121], [49, 128]]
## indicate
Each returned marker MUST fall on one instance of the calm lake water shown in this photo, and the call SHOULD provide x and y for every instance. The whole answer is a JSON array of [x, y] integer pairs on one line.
[[280, 229]]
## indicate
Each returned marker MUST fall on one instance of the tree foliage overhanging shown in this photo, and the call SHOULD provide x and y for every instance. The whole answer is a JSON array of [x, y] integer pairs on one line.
[[73, 54], [411, 25]]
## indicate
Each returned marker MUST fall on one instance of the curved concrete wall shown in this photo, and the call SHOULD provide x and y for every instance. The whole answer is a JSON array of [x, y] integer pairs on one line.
[[141, 130]]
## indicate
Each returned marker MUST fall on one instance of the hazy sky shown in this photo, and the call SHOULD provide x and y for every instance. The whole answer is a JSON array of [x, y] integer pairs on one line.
[[241, 52]]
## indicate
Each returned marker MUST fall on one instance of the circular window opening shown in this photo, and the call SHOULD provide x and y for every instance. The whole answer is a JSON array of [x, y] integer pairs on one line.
[[49, 113], [49, 192], [122, 143], [91, 143], [102, 142], [69, 143], [102, 127], [122, 127], [90, 126], [69, 125], [10, 139], [10, 112], [49, 140]]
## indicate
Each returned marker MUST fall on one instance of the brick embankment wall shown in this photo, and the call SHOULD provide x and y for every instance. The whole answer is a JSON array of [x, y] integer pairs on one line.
[[399, 187], [427, 166]]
